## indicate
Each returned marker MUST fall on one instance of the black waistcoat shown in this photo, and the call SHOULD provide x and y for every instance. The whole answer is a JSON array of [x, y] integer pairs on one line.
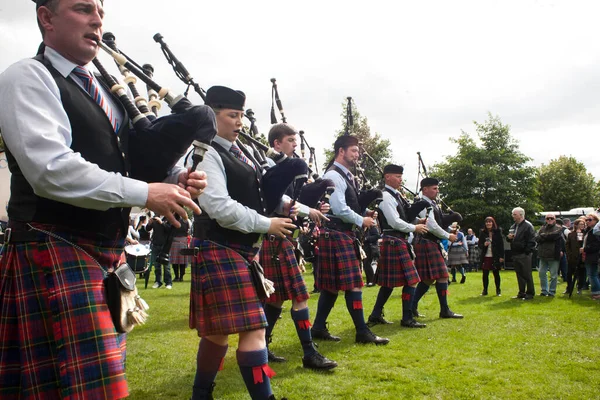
[[400, 208], [243, 186], [437, 213], [94, 138], [351, 193]]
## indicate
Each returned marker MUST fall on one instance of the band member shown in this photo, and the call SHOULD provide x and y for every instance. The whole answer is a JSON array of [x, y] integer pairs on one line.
[[223, 300], [429, 261], [66, 140], [279, 261], [396, 267], [339, 262]]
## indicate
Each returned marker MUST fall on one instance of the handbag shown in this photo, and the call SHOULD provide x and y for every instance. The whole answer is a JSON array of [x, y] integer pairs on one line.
[[264, 287], [127, 308]]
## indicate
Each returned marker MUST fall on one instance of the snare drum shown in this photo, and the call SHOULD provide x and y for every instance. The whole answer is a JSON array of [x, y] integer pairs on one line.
[[137, 257]]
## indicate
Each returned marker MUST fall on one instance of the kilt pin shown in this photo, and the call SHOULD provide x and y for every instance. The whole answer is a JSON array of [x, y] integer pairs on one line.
[[53, 312], [223, 300], [339, 266], [285, 273], [429, 261], [395, 267]]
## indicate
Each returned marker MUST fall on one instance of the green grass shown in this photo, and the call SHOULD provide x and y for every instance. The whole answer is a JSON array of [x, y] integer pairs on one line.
[[547, 348]]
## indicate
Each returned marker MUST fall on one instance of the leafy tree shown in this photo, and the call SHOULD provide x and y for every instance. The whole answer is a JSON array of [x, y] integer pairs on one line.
[[488, 177], [565, 184], [373, 144]]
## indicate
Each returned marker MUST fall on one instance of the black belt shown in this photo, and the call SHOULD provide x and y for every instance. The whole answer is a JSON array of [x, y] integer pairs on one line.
[[397, 234], [21, 236]]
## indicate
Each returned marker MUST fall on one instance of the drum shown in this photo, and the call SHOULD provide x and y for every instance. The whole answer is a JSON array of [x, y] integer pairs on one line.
[[137, 257]]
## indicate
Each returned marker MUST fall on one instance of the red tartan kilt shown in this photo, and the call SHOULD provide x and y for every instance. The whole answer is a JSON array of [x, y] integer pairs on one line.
[[429, 261], [285, 274], [395, 267], [338, 266], [175, 257], [58, 339], [223, 300]]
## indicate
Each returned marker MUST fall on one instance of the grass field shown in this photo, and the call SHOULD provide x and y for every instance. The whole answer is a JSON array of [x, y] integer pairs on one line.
[[547, 348]]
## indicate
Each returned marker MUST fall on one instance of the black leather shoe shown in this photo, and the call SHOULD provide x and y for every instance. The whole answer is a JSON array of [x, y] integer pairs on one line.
[[318, 361], [412, 324], [416, 314], [463, 279], [274, 358], [378, 320], [449, 314], [370, 337], [484, 293], [324, 335]]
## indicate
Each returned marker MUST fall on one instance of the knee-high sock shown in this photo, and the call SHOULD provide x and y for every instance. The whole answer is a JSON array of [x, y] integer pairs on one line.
[[208, 362], [408, 293], [301, 320], [497, 279], [442, 292], [422, 288], [355, 308], [382, 298], [272, 313], [256, 373], [461, 269], [326, 303]]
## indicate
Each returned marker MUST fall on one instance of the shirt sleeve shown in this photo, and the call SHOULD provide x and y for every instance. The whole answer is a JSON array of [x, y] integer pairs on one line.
[[36, 129], [337, 200], [220, 206], [388, 208], [434, 228]]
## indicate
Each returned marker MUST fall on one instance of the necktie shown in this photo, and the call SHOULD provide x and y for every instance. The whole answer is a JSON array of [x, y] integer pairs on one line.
[[240, 156], [352, 181], [89, 83]]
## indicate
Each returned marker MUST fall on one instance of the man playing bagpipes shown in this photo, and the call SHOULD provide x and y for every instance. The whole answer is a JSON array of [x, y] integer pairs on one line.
[[339, 257], [278, 258]]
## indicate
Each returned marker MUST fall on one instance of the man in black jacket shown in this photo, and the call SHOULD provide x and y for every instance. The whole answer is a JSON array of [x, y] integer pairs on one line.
[[550, 245], [521, 235]]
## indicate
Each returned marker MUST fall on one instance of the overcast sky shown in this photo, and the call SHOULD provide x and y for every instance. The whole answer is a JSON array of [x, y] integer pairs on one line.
[[420, 71]]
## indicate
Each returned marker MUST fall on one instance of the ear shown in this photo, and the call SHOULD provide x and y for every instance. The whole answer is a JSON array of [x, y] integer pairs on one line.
[[45, 17]]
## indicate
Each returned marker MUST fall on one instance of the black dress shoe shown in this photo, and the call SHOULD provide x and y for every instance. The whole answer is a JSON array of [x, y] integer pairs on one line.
[[378, 320], [449, 314], [324, 334], [412, 324], [318, 361], [463, 279], [274, 358], [484, 293], [370, 337]]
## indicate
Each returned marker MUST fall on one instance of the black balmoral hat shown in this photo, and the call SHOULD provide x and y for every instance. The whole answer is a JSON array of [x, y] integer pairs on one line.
[[429, 182], [224, 97], [393, 169], [345, 141]]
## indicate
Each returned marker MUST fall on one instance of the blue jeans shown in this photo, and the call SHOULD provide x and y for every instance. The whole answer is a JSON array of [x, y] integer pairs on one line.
[[545, 266], [592, 273], [158, 272]]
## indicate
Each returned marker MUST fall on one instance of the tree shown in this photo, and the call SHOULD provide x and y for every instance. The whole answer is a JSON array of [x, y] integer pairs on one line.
[[565, 184], [488, 178], [373, 144]]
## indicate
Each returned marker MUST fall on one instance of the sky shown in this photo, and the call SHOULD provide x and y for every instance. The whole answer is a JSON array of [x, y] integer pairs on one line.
[[420, 71]]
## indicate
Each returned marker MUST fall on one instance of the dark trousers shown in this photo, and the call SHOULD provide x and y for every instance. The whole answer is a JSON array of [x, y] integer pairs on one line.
[[522, 265], [486, 279]]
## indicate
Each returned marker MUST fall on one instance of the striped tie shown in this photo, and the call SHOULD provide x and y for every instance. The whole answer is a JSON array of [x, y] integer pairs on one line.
[[92, 88], [240, 156]]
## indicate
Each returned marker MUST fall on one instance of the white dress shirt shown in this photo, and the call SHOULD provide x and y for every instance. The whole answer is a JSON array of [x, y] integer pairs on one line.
[[432, 224], [388, 207], [337, 201], [37, 132]]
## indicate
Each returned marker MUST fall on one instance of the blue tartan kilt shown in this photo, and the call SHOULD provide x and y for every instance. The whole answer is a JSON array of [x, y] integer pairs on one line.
[[57, 338], [395, 267], [223, 300], [338, 265], [429, 261], [285, 273]]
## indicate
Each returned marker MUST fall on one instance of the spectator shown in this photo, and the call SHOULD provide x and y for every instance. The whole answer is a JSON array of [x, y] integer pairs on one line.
[[590, 250], [141, 229], [474, 255], [563, 268], [159, 227], [457, 253], [575, 264], [491, 246], [521, 235], [371, 247], [132, 235], [550, 251], [180, 242]]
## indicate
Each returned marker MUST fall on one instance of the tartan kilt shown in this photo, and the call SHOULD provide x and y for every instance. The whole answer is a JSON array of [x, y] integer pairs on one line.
[[338, 265], [457, 256], [223, 300], [474, 257], [58, 338], [395, 267], [285, 274], [429, 261], [175, 257]]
